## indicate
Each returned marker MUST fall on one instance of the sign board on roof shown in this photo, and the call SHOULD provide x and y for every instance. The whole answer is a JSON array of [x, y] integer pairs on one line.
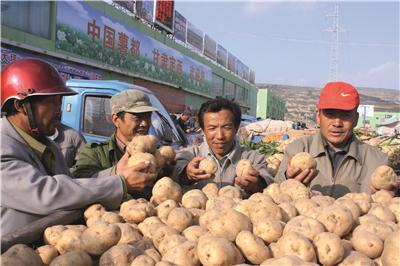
[[180, 27], [210, 47], [145, 9], [194, 36], [164, 15]]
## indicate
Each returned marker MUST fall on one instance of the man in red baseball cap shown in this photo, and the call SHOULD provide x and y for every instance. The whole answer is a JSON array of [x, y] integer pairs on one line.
[[344, 163]]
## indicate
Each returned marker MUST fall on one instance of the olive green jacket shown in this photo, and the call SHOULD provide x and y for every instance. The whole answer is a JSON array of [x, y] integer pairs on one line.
[[353, 173]]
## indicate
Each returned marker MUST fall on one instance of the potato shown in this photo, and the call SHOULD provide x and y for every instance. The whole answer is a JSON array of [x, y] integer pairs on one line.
[[269, 230], [153, 253], [295, 189], [194, 232], [347, 247], [357, 259], [288, 211], [303, 160], [160, 160], [266, 210], [168, 153], [196, 213], [135, 211], [272, 190], [208, 165], [211, 190], [289, 260], [97, 239], [164, 208], [143, 244], [47, 253], [141, 157], [221, 203], [305, 226], [218, 251], [252, 247], [323, 201], [382, 213], [75, 257], [194, 198], [179, 219], [313, 212], [336, 219], [245, 206], [394, 207], [149, 225], [52, 234], [363, 200], [119, 255], [243, 168], [350, 205], [230, 192], [329, 249], [390, 254], [111, 217], [165, 263], [129, 234], [169, 242], [69, 240], [383, 177], [165, 189], [227, 223], [142, 144], [261, 198], [302, 205], [21, 255], [161, 233], [378, 228], [383, 197], [94, 210], [367, 243], [294, 243], [143, 260], [184, 254]]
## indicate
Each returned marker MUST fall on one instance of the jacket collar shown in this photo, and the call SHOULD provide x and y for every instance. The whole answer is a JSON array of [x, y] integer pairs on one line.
[[233, 155], [317, 147]]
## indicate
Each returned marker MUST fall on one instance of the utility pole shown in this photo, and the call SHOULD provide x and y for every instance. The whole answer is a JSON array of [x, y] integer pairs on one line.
[[334, 56]]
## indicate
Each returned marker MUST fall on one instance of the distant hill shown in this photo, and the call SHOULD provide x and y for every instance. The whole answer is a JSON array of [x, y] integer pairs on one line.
[[300, 101]]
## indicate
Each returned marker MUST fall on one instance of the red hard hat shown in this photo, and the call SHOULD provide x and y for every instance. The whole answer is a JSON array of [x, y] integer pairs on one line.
[[31, 77]]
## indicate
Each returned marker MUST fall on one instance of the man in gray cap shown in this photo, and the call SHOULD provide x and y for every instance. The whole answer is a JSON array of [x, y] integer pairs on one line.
[[131, 115]]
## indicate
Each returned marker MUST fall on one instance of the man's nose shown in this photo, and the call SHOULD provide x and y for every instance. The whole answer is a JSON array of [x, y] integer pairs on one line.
[[219, 133], [337, 121]]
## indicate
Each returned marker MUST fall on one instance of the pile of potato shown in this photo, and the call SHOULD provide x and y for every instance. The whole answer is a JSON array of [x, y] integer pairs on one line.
[[287, 224]]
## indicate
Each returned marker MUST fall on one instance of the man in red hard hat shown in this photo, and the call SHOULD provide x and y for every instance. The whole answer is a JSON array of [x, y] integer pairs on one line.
[[344, 163], [35, 180]]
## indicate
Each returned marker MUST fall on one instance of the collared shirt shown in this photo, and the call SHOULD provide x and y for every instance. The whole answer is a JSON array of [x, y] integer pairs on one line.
[[336, 154], [353, 172], [43, 150], [226, 171]]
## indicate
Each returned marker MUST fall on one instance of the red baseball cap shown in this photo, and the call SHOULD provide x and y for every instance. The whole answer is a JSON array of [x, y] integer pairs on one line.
[[338, 95]]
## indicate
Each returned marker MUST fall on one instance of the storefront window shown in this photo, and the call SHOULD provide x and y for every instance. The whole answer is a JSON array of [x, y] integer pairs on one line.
[[217, 85], [29, 16], [229, 91]]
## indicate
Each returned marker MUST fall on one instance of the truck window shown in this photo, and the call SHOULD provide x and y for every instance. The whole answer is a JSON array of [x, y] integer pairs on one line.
[[97, 116]]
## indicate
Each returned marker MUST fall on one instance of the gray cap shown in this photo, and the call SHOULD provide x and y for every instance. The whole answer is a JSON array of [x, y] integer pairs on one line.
[[131, 101]]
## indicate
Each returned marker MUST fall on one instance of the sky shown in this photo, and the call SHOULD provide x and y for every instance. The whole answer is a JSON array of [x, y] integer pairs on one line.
[[290, 42]]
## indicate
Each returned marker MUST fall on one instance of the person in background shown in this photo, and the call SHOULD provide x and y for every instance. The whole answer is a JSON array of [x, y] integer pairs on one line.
[[186, 121], [69, 141], [344, 163], [219, 120], [131, 115], [35, 179]]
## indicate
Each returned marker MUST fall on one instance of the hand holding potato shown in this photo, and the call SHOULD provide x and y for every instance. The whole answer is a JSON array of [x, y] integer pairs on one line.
[[193, 172], [134, 178], [250, 181], [305, 175]]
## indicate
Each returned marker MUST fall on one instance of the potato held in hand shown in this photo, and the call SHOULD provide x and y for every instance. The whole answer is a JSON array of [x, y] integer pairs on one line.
[[140, 157], [243, 167], [168, 153], [383, 177], [146, 143], [303, 160], [208, 165]]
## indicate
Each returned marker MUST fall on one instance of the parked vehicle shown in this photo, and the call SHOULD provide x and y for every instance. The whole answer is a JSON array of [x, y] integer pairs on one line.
[[89, 112]]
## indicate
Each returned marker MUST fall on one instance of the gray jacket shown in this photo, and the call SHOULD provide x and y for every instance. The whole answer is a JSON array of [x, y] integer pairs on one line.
[[28, 193], [353, 173], [225, 174]]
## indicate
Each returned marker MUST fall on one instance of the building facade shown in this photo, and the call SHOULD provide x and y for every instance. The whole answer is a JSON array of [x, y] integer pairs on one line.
[[270, 105], [95, 40]]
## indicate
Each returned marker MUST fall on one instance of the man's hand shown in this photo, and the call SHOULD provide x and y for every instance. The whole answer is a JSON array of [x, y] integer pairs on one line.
[[193, 173], [250, 181], [134, 178], [305, 176]]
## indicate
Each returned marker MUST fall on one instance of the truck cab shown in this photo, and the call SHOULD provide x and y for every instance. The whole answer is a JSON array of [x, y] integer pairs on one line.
[[89, 112]]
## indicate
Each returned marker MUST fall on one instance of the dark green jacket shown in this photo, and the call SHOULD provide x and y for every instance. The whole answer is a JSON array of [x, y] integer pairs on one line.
[[97, 157]]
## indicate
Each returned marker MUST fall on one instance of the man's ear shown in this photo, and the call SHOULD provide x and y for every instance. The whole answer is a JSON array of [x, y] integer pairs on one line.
[[356, 119], [19, 107], [115, 120]]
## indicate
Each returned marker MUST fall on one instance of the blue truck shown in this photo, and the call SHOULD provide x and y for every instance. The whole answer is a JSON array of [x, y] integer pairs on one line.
[[89, 112]]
